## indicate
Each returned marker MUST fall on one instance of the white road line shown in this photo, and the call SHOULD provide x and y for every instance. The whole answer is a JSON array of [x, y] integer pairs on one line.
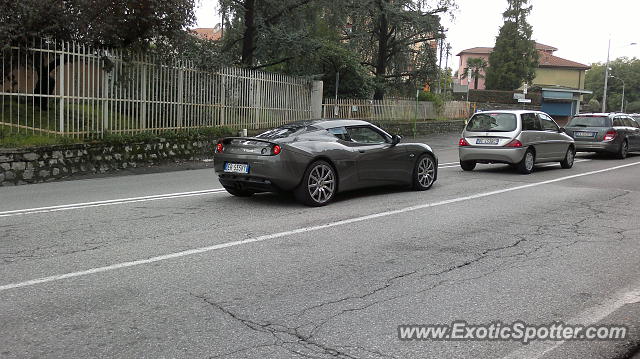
[[110, 202], [536, 350], [444, 165], [194, 251], [448, 163]]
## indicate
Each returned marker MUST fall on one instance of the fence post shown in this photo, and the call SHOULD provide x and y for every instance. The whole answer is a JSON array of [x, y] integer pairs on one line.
[[257, 99], [316, 99], [143, 98], [62, 84], [180, 95], [223, 80], [105, 101]]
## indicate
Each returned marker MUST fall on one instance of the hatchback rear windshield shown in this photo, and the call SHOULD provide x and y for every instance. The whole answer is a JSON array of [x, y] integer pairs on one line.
[[492, 122], [285, 131], [589, 121]]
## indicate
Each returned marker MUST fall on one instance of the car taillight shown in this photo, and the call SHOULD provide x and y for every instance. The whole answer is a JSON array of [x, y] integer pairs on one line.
[[276, 150], [463, 142], [610, 135], [514, 143], [219, 147]]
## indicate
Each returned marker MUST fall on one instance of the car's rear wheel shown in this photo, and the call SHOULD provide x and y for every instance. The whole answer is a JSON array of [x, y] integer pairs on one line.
[[528, 162], [239, 192], [318, 186], [624, 150], [468, 165], [424, 173], [569, 158]]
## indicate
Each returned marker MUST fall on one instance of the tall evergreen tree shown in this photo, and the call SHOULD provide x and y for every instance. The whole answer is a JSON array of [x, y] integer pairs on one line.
[[514, 58]]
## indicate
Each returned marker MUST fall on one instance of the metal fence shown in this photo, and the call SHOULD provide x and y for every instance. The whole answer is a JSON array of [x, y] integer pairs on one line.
[[393, 110], [68, 89]]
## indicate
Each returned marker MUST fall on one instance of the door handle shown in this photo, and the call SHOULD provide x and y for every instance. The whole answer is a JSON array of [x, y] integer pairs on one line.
[[361, 151]]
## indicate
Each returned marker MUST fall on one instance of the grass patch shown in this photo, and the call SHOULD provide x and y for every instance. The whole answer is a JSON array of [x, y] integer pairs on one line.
[[10, 139]]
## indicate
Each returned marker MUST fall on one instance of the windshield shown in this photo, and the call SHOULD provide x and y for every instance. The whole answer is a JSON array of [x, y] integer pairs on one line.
[[589, 121], [492, 122]]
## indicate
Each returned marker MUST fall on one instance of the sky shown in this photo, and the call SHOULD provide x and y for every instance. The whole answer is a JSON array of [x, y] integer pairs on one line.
[[580, 29]]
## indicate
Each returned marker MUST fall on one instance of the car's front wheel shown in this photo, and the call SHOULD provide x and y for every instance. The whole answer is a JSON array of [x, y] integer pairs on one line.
[[528, 162], [318, 186], [424, 173], [569, 158]]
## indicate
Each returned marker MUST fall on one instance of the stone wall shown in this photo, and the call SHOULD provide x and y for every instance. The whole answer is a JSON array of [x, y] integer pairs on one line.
[[423, 128], [43, 164]]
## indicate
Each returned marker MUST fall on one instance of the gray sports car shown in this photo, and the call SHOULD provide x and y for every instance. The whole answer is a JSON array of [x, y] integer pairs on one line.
[[317, 159]]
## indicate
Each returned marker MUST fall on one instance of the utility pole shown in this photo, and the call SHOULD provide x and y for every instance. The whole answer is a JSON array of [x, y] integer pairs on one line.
[[606, 79], [441, 45], [446, 65]]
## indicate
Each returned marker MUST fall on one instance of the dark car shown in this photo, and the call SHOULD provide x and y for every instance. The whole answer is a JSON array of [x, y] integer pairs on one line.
[[319, 158], [612, 133]]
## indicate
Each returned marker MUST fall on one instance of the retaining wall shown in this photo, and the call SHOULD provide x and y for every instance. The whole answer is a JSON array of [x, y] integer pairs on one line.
[[43, 164]]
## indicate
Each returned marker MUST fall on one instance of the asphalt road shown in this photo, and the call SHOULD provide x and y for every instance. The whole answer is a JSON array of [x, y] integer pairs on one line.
[[166, 265]]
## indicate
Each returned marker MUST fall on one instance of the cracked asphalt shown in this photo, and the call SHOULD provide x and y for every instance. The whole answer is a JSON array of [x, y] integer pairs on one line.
[[540, 254]]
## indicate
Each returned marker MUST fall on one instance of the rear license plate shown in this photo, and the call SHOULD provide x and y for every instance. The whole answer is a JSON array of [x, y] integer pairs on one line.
[[585, 134], [236, 167], [486, 141]]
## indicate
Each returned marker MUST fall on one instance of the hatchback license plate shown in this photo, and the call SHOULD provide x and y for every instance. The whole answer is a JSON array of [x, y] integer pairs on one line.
[[585, 134], [236, 167], [486, 141]]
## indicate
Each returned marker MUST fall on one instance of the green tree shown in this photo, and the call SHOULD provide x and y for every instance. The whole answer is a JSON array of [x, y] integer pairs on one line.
[[101, 23], [622, 69], [514, 58], [394, 38], [263, 33], [111, 24], [478, 66]]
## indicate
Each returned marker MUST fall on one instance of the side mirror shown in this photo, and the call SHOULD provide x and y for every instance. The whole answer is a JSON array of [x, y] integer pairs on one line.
[[395, 139], [563, 130]]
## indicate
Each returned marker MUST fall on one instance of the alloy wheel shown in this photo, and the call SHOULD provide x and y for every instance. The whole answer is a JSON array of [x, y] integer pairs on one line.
[[528, 161], [321, 183], [426, 171]]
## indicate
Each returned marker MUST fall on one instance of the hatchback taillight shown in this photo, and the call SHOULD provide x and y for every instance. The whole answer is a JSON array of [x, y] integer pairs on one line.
[[219, 147], [514, 143], [463, 143], [610, 135]]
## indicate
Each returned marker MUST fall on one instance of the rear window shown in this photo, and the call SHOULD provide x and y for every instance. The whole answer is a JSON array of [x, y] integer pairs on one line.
[[285, 131], [589, 121], [492, 122]]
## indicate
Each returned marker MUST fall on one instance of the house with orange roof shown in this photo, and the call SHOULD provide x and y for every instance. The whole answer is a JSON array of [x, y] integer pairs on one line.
[[561, 81], [208, 33]]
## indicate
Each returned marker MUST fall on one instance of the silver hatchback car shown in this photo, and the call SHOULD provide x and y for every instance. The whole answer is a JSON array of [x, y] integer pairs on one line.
[[519, 138]]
